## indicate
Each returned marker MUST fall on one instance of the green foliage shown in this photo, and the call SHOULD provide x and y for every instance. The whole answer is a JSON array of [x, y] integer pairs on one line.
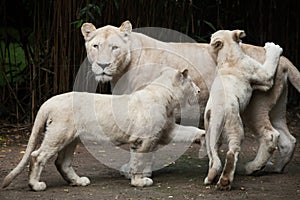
[[90, 12], [14, 64]]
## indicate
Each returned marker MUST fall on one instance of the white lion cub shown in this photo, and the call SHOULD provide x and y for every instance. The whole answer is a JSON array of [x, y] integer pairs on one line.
[[237, 76], [144, 119]]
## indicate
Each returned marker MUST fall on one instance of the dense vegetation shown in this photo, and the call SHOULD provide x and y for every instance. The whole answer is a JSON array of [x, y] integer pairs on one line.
[[42, 47]]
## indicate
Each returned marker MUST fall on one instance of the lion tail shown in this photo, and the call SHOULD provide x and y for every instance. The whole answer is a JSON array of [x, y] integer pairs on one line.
[[38, 128], [293, 74]]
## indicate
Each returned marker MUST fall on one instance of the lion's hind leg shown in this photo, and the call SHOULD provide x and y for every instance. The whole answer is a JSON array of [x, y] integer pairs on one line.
[[268, 135], [53, 142], [64, 165], [267, 145], [286, 147], [235, 134], [215, 164], [38, 161], [286, 141], [214, 124]]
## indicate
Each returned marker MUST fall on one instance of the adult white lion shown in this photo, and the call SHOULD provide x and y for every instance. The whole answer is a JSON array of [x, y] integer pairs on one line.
[[114, 51]]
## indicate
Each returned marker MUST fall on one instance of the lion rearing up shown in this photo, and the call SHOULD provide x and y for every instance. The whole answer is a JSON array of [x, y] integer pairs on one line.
[[148, 122], [237, 76]]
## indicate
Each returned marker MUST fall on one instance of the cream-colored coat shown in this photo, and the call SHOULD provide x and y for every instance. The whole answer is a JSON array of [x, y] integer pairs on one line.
[[113, 52], [143, 119], [237, 76]]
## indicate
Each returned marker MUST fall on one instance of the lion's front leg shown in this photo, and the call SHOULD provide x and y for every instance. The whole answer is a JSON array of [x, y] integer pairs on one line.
[[141, 156]]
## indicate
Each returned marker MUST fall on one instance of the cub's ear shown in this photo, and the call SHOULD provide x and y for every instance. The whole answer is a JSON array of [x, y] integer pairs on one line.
[[86, 29], [185, 73], [238, 34], [217, 43], [181, 75], [126, 27]]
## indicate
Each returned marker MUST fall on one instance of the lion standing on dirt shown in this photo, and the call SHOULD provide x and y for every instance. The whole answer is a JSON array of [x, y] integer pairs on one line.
[[237, 76], [113, 52], [144, 119]]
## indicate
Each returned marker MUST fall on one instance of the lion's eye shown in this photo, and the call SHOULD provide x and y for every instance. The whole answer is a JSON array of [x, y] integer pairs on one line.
[[96, 46], [114, 48]]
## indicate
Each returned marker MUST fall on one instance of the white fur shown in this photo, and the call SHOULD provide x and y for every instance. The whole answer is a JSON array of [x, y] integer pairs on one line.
[[265, 114], [238, 75], [143, 119]]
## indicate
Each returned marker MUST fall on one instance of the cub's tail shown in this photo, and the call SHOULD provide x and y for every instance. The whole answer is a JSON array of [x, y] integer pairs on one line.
[[38, 128]]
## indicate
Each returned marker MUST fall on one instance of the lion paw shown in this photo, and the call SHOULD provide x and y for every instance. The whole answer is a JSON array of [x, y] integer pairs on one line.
[[251, 168], [223, 184], [212, 173], [273, 48], [142, 182], [38, 186], [82, 181], [207, 181]]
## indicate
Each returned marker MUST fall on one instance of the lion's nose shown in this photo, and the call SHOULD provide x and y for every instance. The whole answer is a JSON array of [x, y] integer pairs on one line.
[[103, 65]]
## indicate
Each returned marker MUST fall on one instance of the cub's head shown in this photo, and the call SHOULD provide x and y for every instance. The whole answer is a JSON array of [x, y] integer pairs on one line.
[[108, 49], [223, 38], [181, 85]]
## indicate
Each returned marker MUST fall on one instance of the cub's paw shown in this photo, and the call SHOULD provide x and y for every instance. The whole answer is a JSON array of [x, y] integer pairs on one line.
[[269, 45], [82, 181], [207, 181], [251, 168], [223, 184], [273, 48], [141, 182], [38, 186], [212, 173]]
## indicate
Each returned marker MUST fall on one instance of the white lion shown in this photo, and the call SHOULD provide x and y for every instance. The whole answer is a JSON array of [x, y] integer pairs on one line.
[[150, 121], [237, 76], [114, 51]]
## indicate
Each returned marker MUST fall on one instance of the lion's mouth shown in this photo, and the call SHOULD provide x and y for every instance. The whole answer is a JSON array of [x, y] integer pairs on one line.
[[102, 73], [103, 77]]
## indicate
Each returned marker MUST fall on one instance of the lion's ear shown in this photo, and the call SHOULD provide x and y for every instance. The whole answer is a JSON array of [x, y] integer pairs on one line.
[[217, 43], [86, 29], [238, 34], [126, 27], [185, 73], [180, 76]]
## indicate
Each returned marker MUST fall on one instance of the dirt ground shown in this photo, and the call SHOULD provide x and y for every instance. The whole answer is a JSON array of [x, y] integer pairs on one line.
[[181, 180]]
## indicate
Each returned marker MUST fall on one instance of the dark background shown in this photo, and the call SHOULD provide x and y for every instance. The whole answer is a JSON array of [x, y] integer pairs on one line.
[[42, 46]]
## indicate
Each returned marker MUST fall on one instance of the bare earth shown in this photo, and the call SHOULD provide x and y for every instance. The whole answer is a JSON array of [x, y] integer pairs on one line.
[[181, 180]]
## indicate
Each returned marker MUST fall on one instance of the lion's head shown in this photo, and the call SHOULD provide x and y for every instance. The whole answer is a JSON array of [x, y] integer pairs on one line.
[[108, 49]]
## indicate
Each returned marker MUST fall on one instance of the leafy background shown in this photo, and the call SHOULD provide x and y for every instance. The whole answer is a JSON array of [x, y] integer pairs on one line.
[[42, 47]]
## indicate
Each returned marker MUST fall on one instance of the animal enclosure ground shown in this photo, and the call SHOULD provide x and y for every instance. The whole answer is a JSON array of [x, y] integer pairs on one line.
[[181, 180]]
